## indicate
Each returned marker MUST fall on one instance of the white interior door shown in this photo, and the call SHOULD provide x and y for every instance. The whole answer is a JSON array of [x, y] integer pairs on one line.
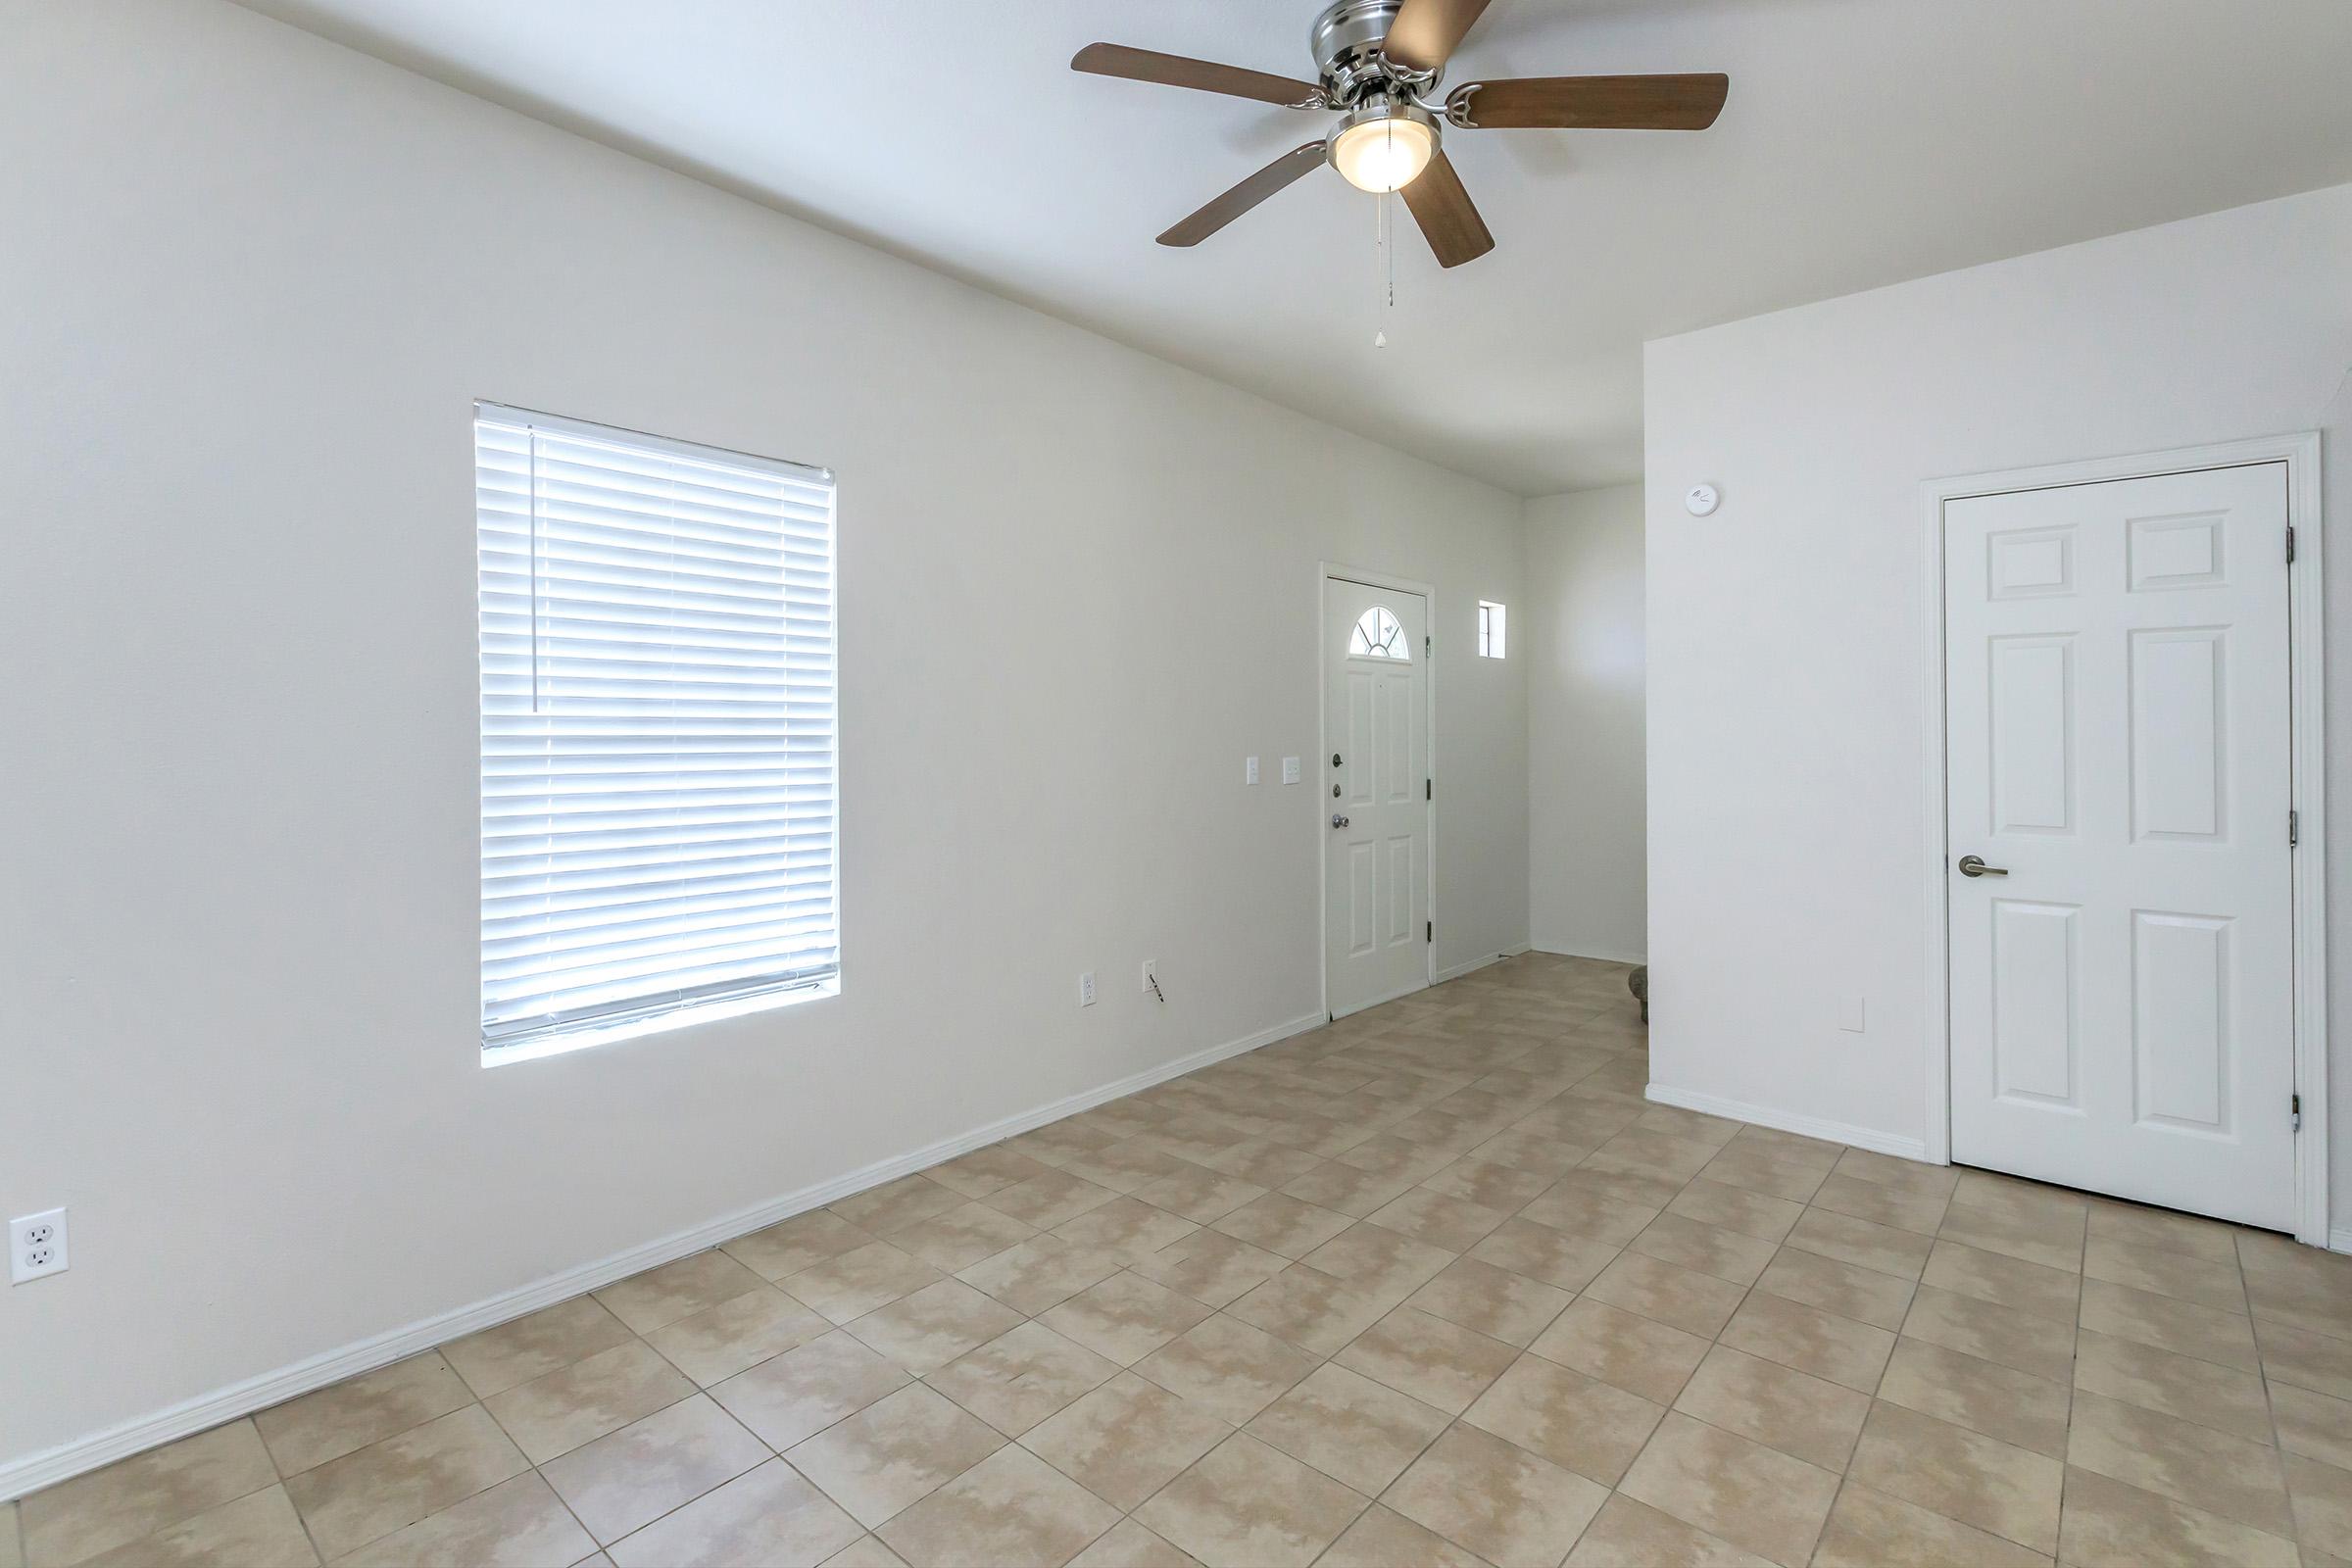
[[1375, 796], [2116, 690]]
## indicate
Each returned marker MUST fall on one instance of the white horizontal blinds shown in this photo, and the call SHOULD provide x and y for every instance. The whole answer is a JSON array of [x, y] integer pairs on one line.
[[658, 725]]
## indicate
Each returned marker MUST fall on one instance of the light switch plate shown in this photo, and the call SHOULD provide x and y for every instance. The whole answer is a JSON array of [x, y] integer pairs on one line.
[[1249, 770], [1849, 1016], [1290, 770]]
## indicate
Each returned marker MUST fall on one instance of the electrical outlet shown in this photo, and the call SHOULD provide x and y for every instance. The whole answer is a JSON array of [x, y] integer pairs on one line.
[[1086, 988], [37, 1246], [1152, 979]]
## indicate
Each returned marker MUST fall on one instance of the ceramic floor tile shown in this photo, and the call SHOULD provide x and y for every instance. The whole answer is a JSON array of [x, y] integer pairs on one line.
[[2318, 1361], [1626, 1533], [1759, 1173], [894, 1453], [959, 1237], [352, 1414], [1049, 1199], [1126, 1166], [1489, 1184], [1887, 1170], [1679, 1297], [1622, 1349], [931, 1328], [2183, 1327], [348, 1502], [1558, 1259], [1356, 1431], [143, 1494], [867, 1551], [1211, 1267], [1021, 1377], [1200, 1194], [1842, 1289], [1125, 1317], [2004, 1280], [1758, 1214], [2165, 1273], [859, 1281], [1758, 1498], [1010, 1508], [1967, 1391], [895, 1206], [1862, 1242], [1227, 1368], [1126, 1227], [1283, 1224], [717, 1343], [556, 1413], [1382, 1538], [1980, 1481], [1039, 1273], [1660, 1156], [2322, 1496], [1869, 1529], [1707, 1248], [1804, 1416], [801, 1393], [1310, 1309], [1437, 1363], [1129, 1545], [1578, 1423], [1126, 1440], [1440, 1219], [767, 1517], [1491, 1300], [645, 1302], [2318, 1426], [1575, 1207], [1345, 1190], [1496, 1500], [259, 1530], [2109, 1523], [2208, 1238], [1881, 1204], [2053, 1240], [2204, 1392], [626, 1480], [986, 1170], [1245, 1502], [517, 1524], [2041, 1345], [791, 1245]]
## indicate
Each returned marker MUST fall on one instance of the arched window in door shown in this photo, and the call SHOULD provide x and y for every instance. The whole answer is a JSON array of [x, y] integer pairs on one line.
[[1378, 636]]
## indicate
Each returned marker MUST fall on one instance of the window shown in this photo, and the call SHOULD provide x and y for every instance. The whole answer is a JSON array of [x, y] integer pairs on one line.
[[1378, 636], [1490, 630], [658, 724]]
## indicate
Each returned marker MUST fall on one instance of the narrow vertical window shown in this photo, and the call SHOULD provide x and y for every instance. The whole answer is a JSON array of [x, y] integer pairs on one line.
[[658, 811], [1489, 629]]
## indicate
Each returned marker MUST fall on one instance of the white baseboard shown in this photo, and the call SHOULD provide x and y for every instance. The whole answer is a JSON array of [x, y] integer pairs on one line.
[[1587, 951], [2339, 1240], [1836, 1131], [51, 1465], [1475, 964]]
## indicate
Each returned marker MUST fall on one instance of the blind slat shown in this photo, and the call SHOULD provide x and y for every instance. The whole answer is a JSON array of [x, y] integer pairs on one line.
[[659, 789]]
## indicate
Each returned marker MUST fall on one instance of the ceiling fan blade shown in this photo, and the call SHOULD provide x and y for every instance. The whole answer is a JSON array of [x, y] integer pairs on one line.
[[1426, 33], [1205, 75], [1591, 103], [1448, 219], [1290, 166]]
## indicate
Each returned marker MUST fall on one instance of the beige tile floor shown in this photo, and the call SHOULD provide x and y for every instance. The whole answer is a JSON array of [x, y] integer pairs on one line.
[[1432, 1286]]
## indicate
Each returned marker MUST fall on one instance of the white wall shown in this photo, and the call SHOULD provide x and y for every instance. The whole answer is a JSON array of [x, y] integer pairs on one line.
[[1580, 632], [1788, 702], [255, 283]]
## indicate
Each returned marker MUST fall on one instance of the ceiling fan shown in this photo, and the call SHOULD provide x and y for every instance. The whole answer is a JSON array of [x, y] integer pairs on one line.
[[1377, 62]]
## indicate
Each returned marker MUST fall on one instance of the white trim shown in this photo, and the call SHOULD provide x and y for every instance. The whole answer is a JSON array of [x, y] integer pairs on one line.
[[1325, 573], [1482, 961], [1583, 953], [2307, 724], [2339, 1240], [67, 1460], [1834, 1132]]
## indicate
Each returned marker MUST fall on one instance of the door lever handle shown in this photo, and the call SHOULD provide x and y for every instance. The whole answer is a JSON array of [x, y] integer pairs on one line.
[[1337, 820], [1974, 866]]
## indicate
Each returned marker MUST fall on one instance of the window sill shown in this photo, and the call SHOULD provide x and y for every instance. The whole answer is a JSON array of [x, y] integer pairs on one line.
[[568, 1041]]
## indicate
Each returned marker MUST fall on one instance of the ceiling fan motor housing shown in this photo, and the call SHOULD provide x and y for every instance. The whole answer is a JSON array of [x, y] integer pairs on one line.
[[1346, 43]]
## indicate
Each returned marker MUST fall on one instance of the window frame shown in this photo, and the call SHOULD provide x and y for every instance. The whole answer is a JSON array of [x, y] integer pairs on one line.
[[1493, 620]]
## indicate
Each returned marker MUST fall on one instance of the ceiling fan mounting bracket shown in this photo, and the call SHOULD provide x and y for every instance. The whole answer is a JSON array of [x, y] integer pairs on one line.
[[1346, 42]]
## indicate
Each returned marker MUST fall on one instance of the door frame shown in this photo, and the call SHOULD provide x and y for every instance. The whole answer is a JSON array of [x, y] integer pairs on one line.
[[2307, 773], [1325, 572]]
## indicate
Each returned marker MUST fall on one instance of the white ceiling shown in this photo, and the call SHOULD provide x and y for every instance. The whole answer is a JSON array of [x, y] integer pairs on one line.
[[1866, 141]]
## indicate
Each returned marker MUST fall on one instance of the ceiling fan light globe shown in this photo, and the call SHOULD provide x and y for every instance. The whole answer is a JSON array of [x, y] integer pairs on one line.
[[1384, 153]]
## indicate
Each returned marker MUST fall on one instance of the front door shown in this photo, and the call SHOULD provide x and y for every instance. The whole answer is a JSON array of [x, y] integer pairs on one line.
[[2115, 679], [1374, 803]]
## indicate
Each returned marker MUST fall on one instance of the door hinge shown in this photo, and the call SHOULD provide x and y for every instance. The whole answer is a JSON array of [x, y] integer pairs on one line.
[[2290, 545], [1429, 932], [1429, 789], [2294, 828], [2296, 1109]]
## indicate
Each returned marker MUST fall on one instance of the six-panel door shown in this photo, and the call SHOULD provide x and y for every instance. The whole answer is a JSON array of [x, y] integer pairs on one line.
[[2116, 689]]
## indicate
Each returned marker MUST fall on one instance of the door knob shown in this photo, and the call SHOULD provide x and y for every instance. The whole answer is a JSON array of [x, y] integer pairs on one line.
[[1337, 820], [1974, 866]]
